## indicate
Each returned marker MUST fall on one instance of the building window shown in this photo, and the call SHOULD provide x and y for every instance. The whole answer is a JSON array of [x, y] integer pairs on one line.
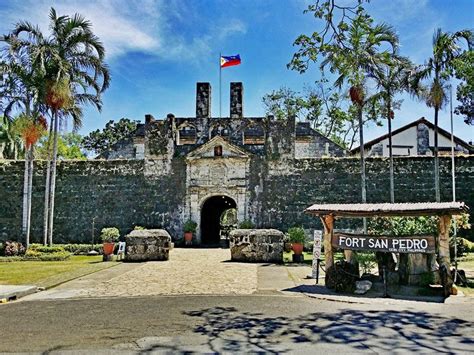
[[219, 131], [218, 151], [187, 135], [254, 135]]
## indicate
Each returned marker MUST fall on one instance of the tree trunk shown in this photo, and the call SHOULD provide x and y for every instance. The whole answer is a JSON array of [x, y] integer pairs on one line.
[[390, 152], [30, 194], [53, 180], [436, 159], [24, 219], [362, 161], [47, 186]]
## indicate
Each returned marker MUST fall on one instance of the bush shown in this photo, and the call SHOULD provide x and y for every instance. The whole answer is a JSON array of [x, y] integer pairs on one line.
[[81, 249], [109, 235], [32, 254], [246, 224], [46, 249], [296, 235], [367, 261], [138, 228], [190, 226], [14, 249]]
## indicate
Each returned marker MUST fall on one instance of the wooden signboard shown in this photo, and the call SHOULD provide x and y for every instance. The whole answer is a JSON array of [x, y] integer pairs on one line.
[[410, 244]]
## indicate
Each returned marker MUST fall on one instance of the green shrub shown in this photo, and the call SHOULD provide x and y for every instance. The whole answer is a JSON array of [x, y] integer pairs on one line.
[[32, 254], [138, 228], [246, 224], [190, 226], [296, 235], [367, 261], [9, 259], [46, 249], [81, 249], [109, 235]]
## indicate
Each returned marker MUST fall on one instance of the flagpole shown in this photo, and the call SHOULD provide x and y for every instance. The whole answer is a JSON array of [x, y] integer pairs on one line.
[[220, 86]]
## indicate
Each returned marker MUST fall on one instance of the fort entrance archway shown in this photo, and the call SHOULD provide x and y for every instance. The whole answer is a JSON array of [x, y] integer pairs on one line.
[[211, 212]]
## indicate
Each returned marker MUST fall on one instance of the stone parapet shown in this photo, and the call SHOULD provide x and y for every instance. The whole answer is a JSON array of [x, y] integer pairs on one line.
[[256, 245], [147, 245]]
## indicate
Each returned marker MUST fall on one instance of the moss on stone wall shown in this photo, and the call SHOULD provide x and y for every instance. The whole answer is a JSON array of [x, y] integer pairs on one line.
[[120, 193]]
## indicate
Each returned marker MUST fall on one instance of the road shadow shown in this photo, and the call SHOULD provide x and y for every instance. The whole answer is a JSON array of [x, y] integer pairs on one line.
[[226, 329], [401, 293]]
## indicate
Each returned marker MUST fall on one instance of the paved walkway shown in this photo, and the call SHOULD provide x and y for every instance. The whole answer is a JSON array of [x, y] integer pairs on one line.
[[188, 272]]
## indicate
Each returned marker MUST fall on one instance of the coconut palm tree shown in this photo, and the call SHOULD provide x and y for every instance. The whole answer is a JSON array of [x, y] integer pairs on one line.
[[391, 78], [74, 74], [439, 68], [365, 46]]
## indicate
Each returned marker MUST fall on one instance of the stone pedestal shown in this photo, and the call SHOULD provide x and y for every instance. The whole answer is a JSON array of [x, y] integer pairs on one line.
[[147, 245], [298, 258], [256, 245]]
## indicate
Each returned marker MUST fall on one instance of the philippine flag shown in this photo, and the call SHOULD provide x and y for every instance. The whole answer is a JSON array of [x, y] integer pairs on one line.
[[230, 60]]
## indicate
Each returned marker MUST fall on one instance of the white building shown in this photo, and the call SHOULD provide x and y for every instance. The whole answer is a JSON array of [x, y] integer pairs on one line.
[[415, 138]]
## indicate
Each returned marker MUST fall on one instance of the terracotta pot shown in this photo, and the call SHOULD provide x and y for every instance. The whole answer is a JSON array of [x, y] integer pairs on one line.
[[297, 248], [188, 236], [108, 248]]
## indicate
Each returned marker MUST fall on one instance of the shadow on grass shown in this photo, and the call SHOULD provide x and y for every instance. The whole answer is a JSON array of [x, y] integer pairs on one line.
[[226, 329]]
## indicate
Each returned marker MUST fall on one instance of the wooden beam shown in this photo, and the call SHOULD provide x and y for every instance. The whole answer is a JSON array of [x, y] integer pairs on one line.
[[328, 223], [444, 261]]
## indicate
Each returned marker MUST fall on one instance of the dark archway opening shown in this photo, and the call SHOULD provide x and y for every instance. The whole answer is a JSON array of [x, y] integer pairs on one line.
[[211, 213]]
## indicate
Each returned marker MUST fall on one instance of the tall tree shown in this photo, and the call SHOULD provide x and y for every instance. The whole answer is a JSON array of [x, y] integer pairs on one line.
[[21, 75], [464, 71], [74, 74], [392, 77], [439, 69], [101, 141], [350, 47]]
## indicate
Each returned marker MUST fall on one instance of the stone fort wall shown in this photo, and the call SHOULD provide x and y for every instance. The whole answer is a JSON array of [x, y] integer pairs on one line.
[[125, 193]]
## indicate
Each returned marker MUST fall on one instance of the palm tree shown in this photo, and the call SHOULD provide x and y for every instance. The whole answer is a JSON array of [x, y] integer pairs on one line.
[[19, 91], [446, 48], [74, 74], [353, 59], [391, 78]]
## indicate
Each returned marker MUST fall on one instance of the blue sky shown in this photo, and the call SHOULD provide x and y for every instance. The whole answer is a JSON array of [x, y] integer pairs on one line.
[[158, 50]]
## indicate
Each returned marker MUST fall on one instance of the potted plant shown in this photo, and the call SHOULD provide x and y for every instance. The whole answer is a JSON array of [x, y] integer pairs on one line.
[[109, 236], [189, 229], [297, 238]]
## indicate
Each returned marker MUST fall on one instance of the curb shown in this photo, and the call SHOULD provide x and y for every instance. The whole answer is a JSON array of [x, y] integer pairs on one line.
[[12, 293]]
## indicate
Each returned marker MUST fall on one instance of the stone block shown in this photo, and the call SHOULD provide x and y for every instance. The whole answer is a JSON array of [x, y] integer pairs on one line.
[[147, 245], [256, 245]]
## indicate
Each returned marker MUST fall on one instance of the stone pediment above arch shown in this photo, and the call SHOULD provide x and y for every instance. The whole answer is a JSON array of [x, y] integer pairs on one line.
[[208, 150]]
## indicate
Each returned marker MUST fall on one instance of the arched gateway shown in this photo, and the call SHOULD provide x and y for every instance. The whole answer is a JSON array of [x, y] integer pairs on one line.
[[216, 181], [211, 213]]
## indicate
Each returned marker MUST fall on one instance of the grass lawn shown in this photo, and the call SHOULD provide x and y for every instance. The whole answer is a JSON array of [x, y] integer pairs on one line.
[[42, 273], [466, 263]]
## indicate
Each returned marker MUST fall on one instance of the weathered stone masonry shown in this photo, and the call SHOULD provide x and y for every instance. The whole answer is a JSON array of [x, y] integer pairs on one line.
[[123, 193], [180, 168]]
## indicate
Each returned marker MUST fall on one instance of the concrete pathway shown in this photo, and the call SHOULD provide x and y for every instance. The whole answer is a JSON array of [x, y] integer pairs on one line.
[[188, 272]]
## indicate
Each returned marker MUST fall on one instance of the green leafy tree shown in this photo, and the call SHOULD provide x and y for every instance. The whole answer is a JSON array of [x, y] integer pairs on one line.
[[437, 71], [349, 46], [464, 71], [391, 77], [69, 147], [326, 109], [101, 141]]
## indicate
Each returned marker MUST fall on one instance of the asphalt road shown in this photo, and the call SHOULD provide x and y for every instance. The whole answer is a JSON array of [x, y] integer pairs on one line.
[[262, 323]]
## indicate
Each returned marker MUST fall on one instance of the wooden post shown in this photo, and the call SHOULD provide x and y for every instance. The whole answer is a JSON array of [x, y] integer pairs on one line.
[[328, 223], [444, 262]]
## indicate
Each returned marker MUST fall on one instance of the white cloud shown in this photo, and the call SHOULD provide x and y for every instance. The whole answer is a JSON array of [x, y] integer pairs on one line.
[[129, 26]]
